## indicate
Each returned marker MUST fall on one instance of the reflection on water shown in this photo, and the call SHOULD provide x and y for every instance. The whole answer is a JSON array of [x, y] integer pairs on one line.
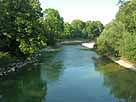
[[121, 82], [27, 87], [30, 85], [51, 68], [71, 75]]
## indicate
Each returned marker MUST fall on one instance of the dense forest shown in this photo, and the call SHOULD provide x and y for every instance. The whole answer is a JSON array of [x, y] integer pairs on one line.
[[25, 28], [119, 36]]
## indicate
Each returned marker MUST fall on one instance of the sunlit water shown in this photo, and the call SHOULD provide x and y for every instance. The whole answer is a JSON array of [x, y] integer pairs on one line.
[[71, 75]]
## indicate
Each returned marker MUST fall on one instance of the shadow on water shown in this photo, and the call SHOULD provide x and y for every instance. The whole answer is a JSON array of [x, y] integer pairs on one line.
[[25, 87], [30, 84], [120, 82], [51, 68]]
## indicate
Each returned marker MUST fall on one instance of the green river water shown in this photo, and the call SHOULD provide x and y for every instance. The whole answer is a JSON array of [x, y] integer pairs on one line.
[[70, 75]]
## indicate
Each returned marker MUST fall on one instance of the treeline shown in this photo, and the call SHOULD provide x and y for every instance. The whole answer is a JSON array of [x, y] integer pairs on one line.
[[56, 29], [119, 36], [25, 28], [79, 29]]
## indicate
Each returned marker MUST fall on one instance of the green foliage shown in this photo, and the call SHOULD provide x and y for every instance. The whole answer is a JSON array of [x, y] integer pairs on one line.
[[78, 26], [53, 26], [20, 27], [127, 15], [80, 29], [68, 31], [97, 28], [92, 29], [119, 37], [109, 40], [128, 46]]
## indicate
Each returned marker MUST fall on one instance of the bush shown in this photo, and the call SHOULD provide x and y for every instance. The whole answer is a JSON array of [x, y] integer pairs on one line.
[[128, 46], [109, 40]]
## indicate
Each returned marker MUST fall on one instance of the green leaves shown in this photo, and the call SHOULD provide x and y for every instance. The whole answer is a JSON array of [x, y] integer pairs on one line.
[[20, 23], [78, 26], [128, 46], [93, 29], [127, 15], [53, 26], [119, 36], [80, 29], [109, 40], [68, 31]]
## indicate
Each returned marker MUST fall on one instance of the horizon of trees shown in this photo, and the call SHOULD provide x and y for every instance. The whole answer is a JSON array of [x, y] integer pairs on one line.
[[80, 29], [25, 28]]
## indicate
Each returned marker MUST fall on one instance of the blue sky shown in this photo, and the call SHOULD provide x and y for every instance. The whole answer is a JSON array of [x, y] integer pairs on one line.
[[103, 10]]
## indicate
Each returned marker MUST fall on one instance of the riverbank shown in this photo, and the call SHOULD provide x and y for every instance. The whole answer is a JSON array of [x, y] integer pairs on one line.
[[70, 42], [121, 62], [16, 66], [124, 63], [9, 67], [52, 49]]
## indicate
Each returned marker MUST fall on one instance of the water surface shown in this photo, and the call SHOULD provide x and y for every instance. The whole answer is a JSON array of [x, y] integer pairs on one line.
[[71, 75]]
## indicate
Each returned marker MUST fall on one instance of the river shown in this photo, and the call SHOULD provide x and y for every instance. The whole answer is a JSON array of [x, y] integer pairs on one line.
[[70, 75]]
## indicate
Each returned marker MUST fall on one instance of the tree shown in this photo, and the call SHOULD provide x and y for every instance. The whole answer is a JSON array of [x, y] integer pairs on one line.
[[119, 36], [53, 26], [109, 40], [92, 29], [80, 29], [4, 40], [127, 15], [87, 31], [97, 28], [21, 27], [68, 31], [78, 26], [128, 46]]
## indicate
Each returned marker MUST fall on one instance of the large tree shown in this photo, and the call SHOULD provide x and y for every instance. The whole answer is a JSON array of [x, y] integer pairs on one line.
[[92, 29], [53, 25], [120, 36], [78, 26], [127, 15], [109, 40], [68, 31], [21, 27]]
